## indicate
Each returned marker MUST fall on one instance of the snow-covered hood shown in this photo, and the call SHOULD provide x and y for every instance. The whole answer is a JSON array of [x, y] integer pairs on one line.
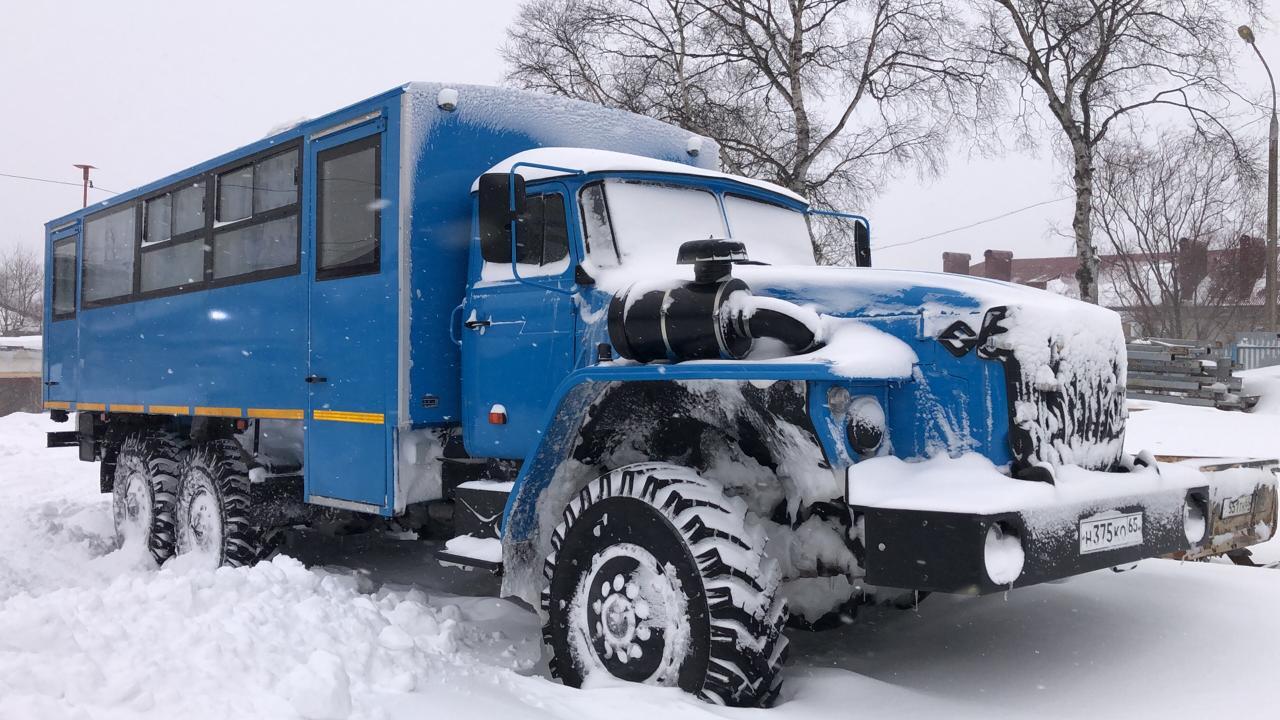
[[1064, 359]]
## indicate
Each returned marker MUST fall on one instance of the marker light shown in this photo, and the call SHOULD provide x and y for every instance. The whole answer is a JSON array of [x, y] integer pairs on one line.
[[498, 415]]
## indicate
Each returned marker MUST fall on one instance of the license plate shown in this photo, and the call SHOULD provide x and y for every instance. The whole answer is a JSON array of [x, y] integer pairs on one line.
[[1110, 533], [1242, 505]]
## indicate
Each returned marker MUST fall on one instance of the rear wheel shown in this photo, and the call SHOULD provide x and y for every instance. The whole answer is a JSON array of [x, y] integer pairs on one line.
[[144, 491], [657, 578], [213, 508]]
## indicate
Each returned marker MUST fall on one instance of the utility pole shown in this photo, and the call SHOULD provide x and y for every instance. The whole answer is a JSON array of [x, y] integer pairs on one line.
[[87, 168], [1246, 34]]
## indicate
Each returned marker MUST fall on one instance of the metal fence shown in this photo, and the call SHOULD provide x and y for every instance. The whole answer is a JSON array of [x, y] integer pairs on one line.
[[1256, 349]]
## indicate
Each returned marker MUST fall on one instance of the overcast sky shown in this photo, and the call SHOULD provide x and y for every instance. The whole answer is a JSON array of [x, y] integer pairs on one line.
[[143, 89]]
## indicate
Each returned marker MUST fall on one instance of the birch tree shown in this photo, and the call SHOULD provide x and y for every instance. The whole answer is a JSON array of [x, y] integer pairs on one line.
[[827, 98], [1095, 68], [21, 283], [1181, 216]]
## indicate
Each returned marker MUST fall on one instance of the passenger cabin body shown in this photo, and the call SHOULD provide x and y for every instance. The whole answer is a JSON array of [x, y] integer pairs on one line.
[[315, 279]]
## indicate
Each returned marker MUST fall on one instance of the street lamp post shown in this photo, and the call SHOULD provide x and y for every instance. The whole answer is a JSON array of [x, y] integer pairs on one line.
[[1246, 34]]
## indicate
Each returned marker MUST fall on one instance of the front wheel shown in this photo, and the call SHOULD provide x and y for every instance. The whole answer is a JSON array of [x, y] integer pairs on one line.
[[657, 577]]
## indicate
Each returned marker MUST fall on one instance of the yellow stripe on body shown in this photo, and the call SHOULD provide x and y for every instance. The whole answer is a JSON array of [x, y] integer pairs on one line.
[[86, 406], [169, 409], [351, 417], [275, 414], [57, 405], [121, 407], [218, 411]]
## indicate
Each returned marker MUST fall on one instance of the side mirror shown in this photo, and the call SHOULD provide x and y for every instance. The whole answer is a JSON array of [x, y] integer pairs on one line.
[[861, 243], [496, 214]]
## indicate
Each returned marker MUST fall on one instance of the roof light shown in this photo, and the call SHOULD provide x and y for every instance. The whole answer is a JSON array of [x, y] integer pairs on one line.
[[447, 99], [694, 146]]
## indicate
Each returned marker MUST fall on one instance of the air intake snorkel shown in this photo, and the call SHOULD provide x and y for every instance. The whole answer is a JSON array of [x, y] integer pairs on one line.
[[714, 317]]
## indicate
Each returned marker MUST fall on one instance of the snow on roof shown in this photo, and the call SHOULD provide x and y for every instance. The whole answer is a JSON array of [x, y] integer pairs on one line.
[[594, 161]]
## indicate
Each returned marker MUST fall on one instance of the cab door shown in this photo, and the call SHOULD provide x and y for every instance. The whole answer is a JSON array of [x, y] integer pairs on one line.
[[61, 352], [352, 321], [518, 337]]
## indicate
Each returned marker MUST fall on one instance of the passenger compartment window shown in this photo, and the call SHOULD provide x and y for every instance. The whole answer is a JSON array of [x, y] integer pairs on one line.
[[349, 209], [108, 255], [188, 209], [256, 248], [173, 265], [64, 278], [235, 194], [262, 200], [174, 214], [274, 182]]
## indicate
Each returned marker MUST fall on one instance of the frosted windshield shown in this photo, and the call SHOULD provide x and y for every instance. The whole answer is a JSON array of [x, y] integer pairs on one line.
[[650, 222], [772, 233], [646, 223]]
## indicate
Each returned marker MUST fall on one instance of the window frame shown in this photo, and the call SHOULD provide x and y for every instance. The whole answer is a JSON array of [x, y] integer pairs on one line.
[[74, 241], [255, 218], [142, 247], [608, 216], [374, 266]]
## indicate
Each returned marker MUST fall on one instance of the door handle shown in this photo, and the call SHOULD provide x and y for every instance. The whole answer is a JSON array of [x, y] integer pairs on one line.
[[474, 323], [50, 383], [317, 379]]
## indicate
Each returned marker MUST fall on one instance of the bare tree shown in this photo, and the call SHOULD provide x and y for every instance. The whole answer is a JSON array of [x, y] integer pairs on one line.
[[21, 285], [1099, 65], [825, 97], [1181, 217]]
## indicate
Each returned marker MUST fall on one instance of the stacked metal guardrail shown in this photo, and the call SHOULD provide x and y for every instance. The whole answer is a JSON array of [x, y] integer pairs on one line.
[[1187, 373]]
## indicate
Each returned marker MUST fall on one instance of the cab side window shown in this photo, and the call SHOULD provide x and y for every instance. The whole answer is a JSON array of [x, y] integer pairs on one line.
[[542, 237]]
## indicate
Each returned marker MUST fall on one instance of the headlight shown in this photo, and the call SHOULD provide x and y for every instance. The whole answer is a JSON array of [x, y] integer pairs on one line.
[[865, 427]]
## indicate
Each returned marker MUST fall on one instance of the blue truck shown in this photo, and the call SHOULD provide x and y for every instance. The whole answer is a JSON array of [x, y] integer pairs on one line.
[[558, 335]]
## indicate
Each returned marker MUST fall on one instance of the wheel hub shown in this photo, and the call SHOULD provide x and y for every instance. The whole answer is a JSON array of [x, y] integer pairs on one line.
[[135, 515], [631, 616], [203, 526]]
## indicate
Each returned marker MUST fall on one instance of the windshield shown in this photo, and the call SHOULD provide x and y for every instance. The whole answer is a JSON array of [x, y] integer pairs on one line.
[[641, 223]]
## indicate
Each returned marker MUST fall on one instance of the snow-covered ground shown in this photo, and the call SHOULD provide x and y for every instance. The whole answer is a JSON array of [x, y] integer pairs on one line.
[[372, 627]]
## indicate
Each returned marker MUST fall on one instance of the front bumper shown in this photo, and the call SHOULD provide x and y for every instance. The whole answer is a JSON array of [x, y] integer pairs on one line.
[[929, 527]]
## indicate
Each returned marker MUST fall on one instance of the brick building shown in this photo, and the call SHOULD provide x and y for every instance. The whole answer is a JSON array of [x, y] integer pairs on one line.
[[1223, 289]]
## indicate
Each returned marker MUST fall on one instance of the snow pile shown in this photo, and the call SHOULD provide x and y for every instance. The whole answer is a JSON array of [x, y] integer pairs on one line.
[[1265, 383], [970, 483], [1167, 429], [194, 637]]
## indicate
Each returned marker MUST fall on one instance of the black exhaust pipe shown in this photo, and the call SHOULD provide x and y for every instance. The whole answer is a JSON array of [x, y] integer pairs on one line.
[[714, 317]]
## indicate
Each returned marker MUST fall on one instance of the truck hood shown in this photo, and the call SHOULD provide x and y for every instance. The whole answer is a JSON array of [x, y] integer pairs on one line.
[[1064, 359]]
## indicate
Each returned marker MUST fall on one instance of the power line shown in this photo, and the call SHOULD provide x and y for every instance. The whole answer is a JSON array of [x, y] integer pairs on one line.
[[984, 221], [57, 182]]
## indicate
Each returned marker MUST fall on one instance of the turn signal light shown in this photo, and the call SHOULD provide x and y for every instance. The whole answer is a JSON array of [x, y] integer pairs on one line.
[[497, 415]]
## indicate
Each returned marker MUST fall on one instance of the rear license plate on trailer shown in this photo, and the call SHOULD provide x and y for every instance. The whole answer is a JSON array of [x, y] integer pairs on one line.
[[1110, 533], [1242, 505]]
